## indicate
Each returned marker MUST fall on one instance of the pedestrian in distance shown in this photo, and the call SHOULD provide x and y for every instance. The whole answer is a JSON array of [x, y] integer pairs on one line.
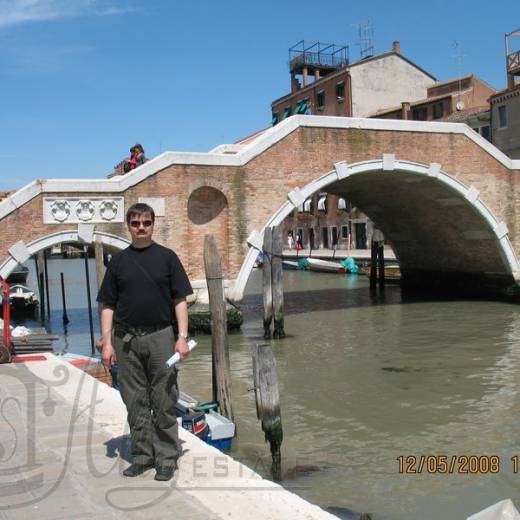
[[290, 240], [145, 285]]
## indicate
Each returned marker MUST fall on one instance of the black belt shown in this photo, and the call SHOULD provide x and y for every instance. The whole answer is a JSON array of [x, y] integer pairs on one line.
[[139, 330]]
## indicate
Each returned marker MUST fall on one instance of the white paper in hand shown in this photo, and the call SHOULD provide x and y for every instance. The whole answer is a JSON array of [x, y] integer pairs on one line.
[[177, 357]]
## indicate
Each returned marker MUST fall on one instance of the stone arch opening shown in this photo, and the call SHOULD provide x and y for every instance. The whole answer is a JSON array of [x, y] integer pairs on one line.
[[437, 225], [208, 214], [25, 251]]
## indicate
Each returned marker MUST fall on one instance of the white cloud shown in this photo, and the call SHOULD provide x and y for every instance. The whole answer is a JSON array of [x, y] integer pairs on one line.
[[15, 12]]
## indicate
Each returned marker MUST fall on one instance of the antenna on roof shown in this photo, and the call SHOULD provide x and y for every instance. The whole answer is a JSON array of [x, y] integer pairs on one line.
[[459, 56], [366, 39]]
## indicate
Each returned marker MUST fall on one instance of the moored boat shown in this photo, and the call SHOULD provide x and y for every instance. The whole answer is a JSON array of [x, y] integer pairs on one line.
[[324, 266], [18, 275], [23, 301], [290, 265]]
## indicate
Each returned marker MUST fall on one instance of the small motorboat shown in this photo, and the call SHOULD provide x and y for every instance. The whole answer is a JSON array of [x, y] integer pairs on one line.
[[18, 275], [23, 301], [290, 265], [392, 273], [324, 266]]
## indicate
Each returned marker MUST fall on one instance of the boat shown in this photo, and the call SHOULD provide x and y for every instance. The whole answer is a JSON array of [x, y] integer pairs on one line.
[[290, 265], [23, 301], [201, 419], [18, 275], [324, 266], [392, 273]]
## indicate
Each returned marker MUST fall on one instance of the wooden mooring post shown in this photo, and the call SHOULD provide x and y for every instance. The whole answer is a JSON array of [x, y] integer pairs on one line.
[[272, 282], [219, 343], [277, 282], [46, 270], [267, 282], [268, 403], [373, 265], [100, 266], [381, 263], [65, 317], [38, 262]]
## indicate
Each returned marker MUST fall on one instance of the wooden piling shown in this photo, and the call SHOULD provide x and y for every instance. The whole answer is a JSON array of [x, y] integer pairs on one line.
[[373, 265], [38, 260], [381, 263], [89, 301], [277, 282], [219, 343], [46, 271], [268, 403], [65, 317], [267, 282], [100, 265]]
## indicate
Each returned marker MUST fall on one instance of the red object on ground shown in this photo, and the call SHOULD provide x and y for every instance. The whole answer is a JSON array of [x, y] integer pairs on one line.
[[23, 359]]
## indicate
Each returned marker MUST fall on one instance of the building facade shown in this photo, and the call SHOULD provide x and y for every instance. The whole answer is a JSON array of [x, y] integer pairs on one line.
[[323, 82]]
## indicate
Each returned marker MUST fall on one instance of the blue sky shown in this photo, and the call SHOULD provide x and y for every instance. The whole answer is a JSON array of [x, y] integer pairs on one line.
[[82, 80]]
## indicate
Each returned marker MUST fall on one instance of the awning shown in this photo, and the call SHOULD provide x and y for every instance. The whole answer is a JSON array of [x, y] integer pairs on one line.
[[307, 205], [274, 119], [342, 203], [287, 112], [321, 203]]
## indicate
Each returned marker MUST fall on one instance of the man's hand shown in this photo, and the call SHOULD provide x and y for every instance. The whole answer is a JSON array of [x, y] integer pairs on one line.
[[182, 348], [108, 354]]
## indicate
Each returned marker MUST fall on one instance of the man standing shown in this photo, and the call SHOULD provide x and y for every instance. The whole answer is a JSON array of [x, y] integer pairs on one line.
[[143, 286]]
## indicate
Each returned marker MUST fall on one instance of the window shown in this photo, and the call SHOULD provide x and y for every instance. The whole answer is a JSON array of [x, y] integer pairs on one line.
[[274, 120], [322, 203], [344, 232], [438, 110], [320, 99], [302, 106], [334, 236], [286, 112], [502, 117], [340, 91], [485, 132], [420, 114]]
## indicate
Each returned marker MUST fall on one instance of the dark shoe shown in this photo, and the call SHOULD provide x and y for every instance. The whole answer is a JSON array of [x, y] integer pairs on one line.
[[134, 470], [164, 473]]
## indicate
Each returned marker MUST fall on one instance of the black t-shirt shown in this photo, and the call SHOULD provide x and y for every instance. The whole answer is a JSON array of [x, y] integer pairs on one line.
[[140, 285]]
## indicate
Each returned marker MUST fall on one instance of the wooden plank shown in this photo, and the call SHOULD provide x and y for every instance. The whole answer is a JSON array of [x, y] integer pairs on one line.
[[267, 282], [277, 282], [219, 343]]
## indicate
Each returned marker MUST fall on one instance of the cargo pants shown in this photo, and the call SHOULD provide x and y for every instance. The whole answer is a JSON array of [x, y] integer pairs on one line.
[[150, 392]]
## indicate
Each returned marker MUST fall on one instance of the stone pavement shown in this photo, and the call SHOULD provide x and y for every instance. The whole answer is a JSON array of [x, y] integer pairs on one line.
[[63, 447]]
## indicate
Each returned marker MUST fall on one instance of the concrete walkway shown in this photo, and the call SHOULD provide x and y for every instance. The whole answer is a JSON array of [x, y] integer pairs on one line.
[[63, 448]]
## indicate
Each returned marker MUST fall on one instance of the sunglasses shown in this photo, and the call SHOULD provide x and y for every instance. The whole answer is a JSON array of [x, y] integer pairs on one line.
[[137, 223]]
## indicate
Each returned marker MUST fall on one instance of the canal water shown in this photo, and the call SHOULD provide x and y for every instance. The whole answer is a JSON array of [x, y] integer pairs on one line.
[[365, 380]]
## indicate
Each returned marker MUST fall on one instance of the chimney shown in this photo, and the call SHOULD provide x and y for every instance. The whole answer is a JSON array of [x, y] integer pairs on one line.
[[396, 47], [405, 110]]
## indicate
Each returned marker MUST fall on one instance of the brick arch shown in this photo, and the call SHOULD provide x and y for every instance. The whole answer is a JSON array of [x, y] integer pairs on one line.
[[461, 194], [44, 242], [208, 214]]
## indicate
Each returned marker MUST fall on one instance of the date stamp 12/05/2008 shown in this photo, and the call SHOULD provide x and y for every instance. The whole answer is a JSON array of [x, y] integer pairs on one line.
[[456, 464]]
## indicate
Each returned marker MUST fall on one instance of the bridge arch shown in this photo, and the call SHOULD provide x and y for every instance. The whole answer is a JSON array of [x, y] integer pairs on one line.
[[448, 193], [52, 239]]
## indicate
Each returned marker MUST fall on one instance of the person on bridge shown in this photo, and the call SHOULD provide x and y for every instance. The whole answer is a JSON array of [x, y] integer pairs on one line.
[[137, 158], [144, 286]]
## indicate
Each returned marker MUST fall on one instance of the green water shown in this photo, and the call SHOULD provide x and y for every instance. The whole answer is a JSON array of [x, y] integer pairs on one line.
[[364, 380]]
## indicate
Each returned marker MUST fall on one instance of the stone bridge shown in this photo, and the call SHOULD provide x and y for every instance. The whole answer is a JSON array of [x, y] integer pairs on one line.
[[443, 196]]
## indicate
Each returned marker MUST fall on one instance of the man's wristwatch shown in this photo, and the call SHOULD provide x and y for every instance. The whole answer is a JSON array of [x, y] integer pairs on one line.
[[183, 335]]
